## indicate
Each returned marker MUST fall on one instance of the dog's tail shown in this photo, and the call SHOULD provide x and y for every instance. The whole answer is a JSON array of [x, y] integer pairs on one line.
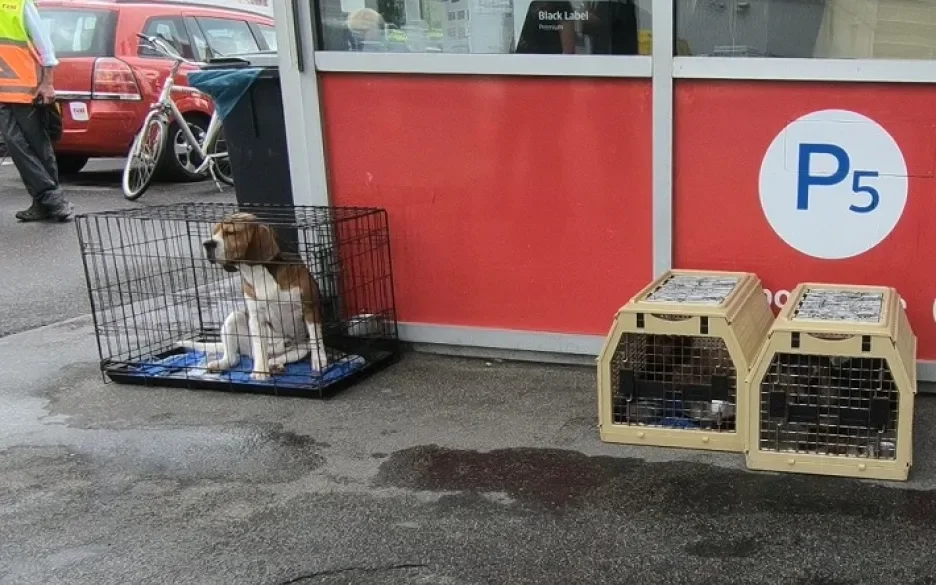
[[209, 347]]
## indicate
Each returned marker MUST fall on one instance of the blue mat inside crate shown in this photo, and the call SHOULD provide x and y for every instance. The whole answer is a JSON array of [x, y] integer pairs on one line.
[[676, 417], [674, 422], [191, 364]]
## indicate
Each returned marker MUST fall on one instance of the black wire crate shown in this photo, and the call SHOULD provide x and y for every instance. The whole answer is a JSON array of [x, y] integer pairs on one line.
[[284, 300]]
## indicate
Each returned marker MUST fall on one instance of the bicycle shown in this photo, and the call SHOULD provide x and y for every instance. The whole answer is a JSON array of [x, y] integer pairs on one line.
[[149, 143]]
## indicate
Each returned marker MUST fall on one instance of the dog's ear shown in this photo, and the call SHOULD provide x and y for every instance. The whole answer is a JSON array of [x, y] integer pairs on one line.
[[263, 247]]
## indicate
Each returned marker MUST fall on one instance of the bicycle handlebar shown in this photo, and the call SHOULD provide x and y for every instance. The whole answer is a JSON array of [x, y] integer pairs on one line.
[[164, 47]]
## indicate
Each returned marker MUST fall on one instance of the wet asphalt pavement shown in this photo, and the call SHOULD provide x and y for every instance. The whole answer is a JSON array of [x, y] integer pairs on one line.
[[435, 471], [43, 259]]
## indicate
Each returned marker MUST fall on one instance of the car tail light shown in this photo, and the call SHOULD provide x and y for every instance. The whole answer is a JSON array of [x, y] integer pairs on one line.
[[114, 80]]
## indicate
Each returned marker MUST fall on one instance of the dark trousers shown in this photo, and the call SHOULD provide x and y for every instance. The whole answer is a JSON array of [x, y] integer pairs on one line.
[[30, 148]]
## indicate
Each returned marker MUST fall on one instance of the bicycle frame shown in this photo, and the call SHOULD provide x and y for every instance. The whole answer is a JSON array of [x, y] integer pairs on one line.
[[166, 105], [211, 135]]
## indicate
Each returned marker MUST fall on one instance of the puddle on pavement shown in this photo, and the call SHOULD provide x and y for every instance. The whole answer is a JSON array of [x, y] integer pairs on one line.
[[234, 453], [560, 479], [226, 452], [231, 453], [554, 478]]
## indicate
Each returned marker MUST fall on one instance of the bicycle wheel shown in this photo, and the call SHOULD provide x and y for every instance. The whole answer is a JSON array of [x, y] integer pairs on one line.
[[144, 158], [222, 164]]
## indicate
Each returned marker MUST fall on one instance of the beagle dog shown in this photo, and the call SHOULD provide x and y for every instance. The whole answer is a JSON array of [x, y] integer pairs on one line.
[[283, 322]]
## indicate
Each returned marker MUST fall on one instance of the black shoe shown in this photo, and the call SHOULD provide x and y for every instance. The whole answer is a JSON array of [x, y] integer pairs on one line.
[[36, 212], [59, 212]]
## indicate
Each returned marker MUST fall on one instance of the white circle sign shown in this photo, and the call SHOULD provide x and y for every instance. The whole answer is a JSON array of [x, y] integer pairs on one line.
[[833, 184]]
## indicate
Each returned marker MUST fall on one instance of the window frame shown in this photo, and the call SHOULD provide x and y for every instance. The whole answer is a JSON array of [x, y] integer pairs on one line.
[[491, 64], [780, 69]]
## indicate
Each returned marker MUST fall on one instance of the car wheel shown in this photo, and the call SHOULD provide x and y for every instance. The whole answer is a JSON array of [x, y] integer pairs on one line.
[[70, 164], [178, 162]]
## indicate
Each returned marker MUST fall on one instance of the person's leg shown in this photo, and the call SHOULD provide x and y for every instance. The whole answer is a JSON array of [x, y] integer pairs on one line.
[[18, 151], [31, 150]]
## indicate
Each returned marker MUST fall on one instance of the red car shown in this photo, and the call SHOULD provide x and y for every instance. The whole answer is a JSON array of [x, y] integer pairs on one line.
[[106, 80]]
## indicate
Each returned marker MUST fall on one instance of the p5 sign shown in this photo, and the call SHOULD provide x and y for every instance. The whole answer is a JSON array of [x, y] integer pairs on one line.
[[833, 184]]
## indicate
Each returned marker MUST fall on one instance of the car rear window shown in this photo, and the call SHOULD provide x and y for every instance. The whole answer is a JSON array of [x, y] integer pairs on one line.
[[79, 32], [228, 37]]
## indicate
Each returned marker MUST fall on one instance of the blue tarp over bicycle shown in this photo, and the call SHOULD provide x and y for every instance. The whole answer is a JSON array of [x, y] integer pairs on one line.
[[225, 86]]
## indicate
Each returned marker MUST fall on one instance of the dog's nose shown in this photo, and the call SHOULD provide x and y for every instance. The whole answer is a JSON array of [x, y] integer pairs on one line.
[[210, 245]]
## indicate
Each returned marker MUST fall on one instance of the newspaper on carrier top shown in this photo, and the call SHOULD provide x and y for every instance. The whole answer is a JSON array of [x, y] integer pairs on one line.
[[694, 290], [840, 305]]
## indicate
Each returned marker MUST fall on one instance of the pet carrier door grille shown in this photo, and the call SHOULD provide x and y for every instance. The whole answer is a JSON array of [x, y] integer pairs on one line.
[[835, 385], [165, 299], [673, 365]]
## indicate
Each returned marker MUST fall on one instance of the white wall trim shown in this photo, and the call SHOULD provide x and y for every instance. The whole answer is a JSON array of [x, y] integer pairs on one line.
[[536, 341], [301, 105], [472, 64], [489, 342], [662, 149], [926, 372], [776, 69]]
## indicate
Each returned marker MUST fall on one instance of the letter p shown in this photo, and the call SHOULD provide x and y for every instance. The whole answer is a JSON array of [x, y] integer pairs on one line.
[[805, 180]]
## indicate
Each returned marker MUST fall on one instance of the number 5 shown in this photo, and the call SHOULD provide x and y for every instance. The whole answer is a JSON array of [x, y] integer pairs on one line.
[[857, 187]]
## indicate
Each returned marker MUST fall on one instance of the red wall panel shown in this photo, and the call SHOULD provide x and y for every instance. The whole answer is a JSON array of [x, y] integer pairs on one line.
[[723, 130], [516, 203]]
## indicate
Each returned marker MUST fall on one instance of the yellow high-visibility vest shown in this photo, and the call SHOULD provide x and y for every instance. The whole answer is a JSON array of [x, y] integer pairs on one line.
[[19, 67]]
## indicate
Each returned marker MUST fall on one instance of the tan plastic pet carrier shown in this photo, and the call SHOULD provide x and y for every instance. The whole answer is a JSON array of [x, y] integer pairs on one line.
[[673, 366], [835, 385]]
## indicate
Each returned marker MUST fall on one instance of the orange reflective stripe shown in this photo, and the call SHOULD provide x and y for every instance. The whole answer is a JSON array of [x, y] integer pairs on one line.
[[19, 75], [17, 95], [18, 66]]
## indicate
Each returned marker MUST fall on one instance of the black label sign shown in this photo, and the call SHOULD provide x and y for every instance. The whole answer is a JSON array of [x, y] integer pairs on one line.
[[602, 27]]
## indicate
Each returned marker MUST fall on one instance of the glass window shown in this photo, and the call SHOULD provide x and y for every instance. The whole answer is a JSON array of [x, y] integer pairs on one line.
[[78, 33], [831, 29], [593, 27], [168, 28], [269, 36], [226, 37]]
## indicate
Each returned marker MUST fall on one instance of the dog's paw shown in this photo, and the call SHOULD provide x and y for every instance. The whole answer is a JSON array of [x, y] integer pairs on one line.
[[276, 368], [259, 376], [217, 366]]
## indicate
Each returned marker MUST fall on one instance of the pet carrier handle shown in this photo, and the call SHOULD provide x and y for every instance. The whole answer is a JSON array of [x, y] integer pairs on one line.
[[673, 324], [842, 344]]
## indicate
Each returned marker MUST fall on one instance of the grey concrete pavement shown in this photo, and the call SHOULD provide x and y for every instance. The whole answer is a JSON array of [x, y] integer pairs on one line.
[[436, 471], [43, 259]]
